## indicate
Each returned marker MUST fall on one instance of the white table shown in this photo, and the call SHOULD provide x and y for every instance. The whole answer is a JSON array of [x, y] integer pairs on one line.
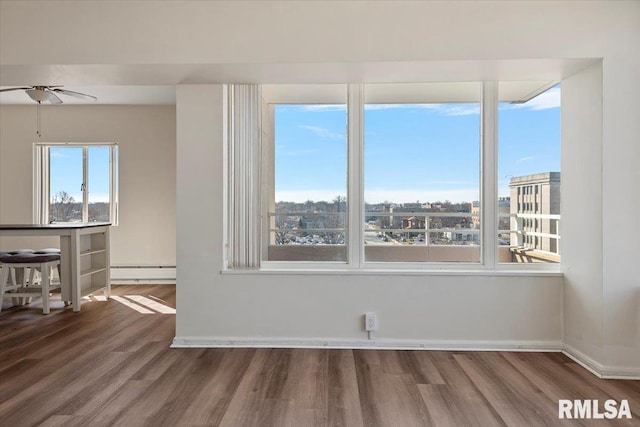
[[84, 256]]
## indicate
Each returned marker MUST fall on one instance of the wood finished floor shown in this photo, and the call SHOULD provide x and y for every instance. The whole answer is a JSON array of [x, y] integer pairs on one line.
[[110, 365]]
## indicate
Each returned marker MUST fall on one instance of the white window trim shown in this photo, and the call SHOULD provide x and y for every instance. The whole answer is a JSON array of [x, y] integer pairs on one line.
[[355, 193], [41, 179]]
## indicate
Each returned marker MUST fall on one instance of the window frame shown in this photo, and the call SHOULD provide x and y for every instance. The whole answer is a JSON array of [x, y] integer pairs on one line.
[[469, 92], [354, 237], [297, 94], [42, 179]]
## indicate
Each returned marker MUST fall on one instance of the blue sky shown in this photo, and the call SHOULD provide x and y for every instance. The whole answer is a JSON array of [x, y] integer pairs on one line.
[[66, 172], [413, 153], [423, 153]]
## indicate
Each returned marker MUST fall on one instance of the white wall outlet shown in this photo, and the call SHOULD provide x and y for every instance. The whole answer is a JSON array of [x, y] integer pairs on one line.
[[370, 322]]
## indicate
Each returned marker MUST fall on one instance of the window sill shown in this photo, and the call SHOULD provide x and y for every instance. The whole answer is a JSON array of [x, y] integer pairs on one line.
[[392, 272]]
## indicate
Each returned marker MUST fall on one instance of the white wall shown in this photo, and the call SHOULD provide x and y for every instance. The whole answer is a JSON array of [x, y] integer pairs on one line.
[[190, 36], [147, 173], [582, 205], [621, 202]]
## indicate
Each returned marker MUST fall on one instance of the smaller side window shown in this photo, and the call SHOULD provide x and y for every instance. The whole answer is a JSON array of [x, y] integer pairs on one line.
[[76, 183]]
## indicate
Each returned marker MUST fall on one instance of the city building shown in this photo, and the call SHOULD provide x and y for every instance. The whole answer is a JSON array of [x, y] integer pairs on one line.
[[537, 199]]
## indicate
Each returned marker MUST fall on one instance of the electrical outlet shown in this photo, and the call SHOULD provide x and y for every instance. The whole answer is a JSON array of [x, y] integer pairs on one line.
[[370, 322]]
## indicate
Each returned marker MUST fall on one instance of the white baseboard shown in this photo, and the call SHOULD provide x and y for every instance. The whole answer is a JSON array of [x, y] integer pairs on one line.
[[601, 371], [598, 369], [143, 275], [374, 344]]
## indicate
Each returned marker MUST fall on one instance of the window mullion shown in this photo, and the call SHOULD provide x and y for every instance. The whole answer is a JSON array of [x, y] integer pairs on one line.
[[489, 166], [41, 196], [85, 184], [355, 173]]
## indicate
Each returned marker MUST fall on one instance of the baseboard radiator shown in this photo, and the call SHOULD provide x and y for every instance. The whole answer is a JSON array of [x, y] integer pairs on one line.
[[143, 274]]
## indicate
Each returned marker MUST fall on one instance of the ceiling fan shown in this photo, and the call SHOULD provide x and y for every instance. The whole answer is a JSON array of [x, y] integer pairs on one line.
[[48, 94]]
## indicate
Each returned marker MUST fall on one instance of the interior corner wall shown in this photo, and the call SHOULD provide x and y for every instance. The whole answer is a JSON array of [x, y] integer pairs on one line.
[[621, 205], [581, 226], [147, 172], [600, 181]]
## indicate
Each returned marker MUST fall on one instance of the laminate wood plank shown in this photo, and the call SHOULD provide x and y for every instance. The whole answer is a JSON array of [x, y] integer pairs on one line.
[[443, 406], [515, 398], [60, 421], [175, 406], [248, 402], [465, 395], [307, 389], [544, 374], [159, 397], [36, 333], [420, 365], [107, 414], [344, 400], [47, 396], [304, 390], [388, 399], [12, 378], [366, 368], [90, 395], [225, 369]]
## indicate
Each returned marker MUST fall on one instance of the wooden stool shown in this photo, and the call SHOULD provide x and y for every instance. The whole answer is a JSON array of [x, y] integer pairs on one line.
[[44, 262], [19, 274], [47, 251]]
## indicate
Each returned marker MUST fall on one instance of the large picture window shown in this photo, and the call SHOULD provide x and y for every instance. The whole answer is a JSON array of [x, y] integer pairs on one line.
[[398, 175], [76, 183]]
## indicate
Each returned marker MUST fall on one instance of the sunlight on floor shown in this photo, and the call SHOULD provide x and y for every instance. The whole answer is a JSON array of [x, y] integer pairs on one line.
[[143, 305]]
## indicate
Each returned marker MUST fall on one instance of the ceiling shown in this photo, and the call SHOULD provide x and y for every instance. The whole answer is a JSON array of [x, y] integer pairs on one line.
[[155, 84]]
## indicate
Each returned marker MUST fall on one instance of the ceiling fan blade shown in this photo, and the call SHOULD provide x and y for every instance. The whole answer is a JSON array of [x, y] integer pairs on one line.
[[53, 98], [75, 94], [15, 88]]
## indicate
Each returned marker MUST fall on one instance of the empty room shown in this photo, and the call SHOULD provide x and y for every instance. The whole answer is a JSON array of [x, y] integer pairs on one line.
[[301, 213]]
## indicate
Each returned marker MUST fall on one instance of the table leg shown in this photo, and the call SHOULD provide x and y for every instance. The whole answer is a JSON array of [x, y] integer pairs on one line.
[[65, 268], [76, 293]]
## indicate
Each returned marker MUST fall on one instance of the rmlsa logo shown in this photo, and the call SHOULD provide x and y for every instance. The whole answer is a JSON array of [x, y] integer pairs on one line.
[[590, 409]]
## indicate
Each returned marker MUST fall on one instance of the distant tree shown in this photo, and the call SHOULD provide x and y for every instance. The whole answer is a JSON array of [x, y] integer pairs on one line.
[[61, 208], [98, 211]]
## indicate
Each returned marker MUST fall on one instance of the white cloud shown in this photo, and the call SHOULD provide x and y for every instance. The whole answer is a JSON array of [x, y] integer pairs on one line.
[[322, 132], [324, 107], [453, 109], [443, 109], [386, 106], [58, 154], [524, 159]]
